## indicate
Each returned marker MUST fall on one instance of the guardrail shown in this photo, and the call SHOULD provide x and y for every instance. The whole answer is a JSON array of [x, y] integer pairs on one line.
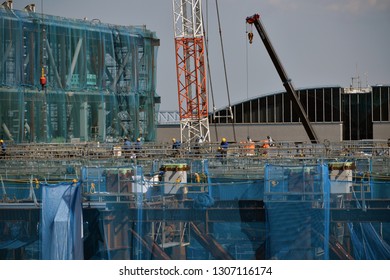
[[93, 150]]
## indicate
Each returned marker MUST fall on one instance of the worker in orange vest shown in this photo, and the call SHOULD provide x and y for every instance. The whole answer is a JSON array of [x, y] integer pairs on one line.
[[250, 147], [265, 146]]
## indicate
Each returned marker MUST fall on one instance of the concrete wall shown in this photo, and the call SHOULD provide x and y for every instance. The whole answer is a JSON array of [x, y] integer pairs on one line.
[[279, 132], [381, 130]]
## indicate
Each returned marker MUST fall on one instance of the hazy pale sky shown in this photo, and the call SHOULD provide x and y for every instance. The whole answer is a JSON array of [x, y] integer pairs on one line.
[[319, 42]]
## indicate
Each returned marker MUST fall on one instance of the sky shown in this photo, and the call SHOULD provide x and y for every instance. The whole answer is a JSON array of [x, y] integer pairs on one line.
[[319, 42]]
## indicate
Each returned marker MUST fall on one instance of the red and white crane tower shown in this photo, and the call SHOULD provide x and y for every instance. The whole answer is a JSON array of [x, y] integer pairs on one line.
[[191, 70]]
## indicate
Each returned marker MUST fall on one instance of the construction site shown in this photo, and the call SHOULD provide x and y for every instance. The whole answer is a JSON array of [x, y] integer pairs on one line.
[[74, 91]]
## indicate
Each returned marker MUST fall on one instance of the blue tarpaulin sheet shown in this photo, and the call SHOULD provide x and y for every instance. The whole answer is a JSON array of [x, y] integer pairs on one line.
[[62, 222]]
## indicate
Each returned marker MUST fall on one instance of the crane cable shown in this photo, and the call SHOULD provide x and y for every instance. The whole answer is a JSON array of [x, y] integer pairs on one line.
[[224, 66], [247, 68], [208, 68]]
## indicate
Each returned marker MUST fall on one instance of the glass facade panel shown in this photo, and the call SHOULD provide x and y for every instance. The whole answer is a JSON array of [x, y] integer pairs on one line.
[[238, 113], [247, 112], [328, 104], [346, 116], [287, 109], [319, 95], [255, 110], [384, 104], [311, 103], [271, 108], [354, 117], [336, 95], [263, 110], [279, 108], [376, 104], [364, 113]]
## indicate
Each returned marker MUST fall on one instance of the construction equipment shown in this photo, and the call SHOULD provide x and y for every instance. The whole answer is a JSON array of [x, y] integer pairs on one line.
[[255, 20], [191, 70]]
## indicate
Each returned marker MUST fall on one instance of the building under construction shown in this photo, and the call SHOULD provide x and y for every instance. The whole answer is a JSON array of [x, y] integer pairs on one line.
[[86, 85], [288, 201], [64, 80]]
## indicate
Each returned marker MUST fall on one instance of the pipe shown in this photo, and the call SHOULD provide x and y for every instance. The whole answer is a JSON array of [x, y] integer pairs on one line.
[[6, 130], [151, 246], [74, 61], [208, 242]]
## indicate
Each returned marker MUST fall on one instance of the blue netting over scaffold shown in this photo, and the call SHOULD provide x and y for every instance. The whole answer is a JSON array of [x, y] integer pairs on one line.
[[369, 239], [297, 211], [62, 222], [367, 243]]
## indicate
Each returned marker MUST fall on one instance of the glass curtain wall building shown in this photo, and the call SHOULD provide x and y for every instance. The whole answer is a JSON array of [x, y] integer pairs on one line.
[[358, 110], [101, 79]]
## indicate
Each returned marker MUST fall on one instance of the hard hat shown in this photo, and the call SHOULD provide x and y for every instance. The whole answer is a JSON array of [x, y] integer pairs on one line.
[[1, 141], [138, 139], [224, 139], [173, 139]]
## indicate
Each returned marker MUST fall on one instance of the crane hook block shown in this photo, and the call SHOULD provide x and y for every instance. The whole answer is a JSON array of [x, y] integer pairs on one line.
[[43, 80], [250, 37]]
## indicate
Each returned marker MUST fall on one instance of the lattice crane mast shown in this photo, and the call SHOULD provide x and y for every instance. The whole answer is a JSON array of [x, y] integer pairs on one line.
[[191, 70]]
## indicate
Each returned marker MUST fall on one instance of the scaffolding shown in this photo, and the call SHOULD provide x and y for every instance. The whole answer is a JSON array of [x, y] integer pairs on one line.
[[101, 79], [297, 201]]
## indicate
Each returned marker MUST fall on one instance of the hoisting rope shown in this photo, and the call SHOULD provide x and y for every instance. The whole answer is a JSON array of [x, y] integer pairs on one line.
[[250, 36], [205, 34], [224, 67]]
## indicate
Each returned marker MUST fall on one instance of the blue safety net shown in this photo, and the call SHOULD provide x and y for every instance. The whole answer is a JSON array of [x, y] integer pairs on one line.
[[62, 222], [185, 209], [297, 211], [367, 242], [100, 79]]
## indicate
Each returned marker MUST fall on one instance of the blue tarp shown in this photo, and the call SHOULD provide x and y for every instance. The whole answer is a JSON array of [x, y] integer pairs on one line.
[[62, 222], [297, 211]]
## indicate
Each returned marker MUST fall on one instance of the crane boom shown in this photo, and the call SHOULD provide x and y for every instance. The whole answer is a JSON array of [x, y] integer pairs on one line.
[[297, 105]]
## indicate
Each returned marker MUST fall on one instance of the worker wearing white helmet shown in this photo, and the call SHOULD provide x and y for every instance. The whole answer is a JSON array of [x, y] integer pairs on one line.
[[175, 144], [138, 144]]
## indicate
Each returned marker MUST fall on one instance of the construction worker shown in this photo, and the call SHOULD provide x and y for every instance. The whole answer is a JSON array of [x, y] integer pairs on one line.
[[219, 153], [126, 146], [265, 146], [250, 147], [3, 148], [198, 144], [175, 144], [224, 145], [138, 144], [270, 141]]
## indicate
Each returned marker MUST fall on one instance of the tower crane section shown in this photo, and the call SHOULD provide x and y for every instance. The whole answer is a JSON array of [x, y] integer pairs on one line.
[[191, 70]]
